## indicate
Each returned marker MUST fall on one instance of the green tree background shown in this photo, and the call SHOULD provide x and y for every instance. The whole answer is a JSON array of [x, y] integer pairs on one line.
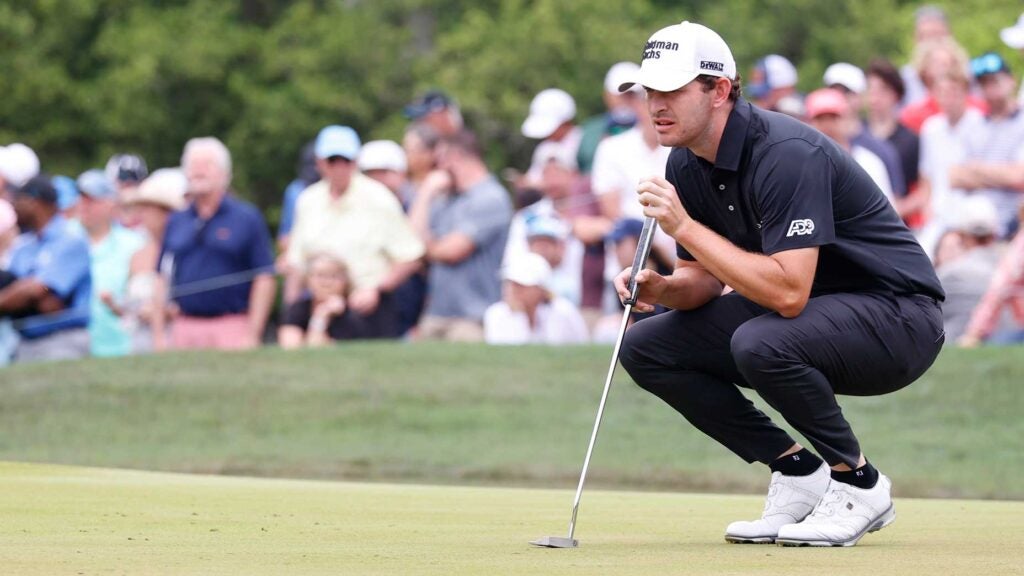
[[83, 79]]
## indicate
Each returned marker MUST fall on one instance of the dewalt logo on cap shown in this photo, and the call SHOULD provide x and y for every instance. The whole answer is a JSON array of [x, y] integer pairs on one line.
[[712, 66]]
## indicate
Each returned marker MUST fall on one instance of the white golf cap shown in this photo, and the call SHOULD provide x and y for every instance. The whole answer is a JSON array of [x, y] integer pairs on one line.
[[18, 164], [677, 54], [382, 155], [549, 109], [779, 72], [846, 75], [1014, 35], [528, 269], [165, 187], [620, 73]]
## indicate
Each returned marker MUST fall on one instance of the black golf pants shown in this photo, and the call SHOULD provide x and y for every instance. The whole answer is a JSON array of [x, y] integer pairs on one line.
[[860, 344]]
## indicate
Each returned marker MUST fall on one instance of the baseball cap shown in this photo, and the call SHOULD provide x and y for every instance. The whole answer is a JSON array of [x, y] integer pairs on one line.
[[8, 218], [826, 101], [626, 228], [846, 75], [546, 226], [382, 155], [18, 163], [1013, 36], [564, 156], [976, 216], [621, 73], [126, 168], [675, 55], [337, 140], [549, 109], [430, 101], [67, 191], [95, 184], [40, 188], [988, 63], [165, 187], [528, 269]]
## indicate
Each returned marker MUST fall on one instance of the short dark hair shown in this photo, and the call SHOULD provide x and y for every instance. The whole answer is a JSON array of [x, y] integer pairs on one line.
[[465, 141], [708, 82], [887, 72]]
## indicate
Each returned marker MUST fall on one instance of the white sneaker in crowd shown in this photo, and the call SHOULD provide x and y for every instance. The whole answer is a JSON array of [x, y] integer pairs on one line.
[[844, 515], [790, 499]]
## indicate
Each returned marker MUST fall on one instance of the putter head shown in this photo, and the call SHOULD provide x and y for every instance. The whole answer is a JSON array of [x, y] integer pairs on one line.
[[555, 542]]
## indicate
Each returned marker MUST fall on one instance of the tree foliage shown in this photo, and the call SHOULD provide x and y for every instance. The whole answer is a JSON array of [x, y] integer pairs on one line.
[[82, 79]]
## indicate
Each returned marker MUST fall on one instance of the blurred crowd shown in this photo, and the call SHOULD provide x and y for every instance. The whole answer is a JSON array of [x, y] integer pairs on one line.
[[420, 240]]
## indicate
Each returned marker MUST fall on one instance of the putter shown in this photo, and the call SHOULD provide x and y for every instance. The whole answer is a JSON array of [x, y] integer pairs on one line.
[[643, 248]]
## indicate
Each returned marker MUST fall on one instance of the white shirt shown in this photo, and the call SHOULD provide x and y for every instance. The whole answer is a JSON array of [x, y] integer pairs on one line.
[[875, 168], [558, 322]]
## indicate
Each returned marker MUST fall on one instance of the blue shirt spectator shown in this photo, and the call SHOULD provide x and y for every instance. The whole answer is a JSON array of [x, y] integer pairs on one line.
[[213, 261]]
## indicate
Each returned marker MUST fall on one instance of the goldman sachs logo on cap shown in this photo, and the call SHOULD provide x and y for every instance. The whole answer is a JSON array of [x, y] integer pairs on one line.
[[652, 50]]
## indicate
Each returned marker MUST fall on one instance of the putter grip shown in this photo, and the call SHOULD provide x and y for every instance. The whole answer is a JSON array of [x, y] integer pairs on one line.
[[643, 249]]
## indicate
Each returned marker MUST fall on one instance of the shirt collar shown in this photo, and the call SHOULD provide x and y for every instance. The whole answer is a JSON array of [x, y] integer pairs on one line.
[[730, 148]]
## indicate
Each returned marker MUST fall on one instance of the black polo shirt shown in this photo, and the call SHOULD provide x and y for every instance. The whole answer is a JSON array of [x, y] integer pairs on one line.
[[778, 184]]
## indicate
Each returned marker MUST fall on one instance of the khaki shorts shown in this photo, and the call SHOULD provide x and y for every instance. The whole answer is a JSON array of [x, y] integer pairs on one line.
[[450, 329]]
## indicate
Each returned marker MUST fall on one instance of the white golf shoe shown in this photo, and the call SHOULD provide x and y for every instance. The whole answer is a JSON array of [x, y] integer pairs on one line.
[[844, 515], [790, 499]]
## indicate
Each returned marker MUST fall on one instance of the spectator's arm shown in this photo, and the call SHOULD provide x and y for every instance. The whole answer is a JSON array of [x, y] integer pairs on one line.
[[261, 299], [591, 229], [158, 318], [916, 200], [435, 184], [974, 175], [398, 274], [451, 249], [986, 313], [22, 294]]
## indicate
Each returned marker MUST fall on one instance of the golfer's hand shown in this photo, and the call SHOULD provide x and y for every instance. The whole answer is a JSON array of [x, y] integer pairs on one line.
[[651, 286], [660, 201]]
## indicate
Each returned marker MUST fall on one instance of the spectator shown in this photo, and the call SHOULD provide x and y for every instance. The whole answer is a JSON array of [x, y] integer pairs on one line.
[[995, 154], [67, 197], [528, 312], [935, 59], [419, 144], [616, 119], [851, 81], [437, 110], [218, 254], [944, 145], [1005, 290], [360, 222], [463, 214], [322, 315], [50, 296], [8, 232], [829, 111], [1013, 37], [552, 112], [305, 176], [18, 164], [930, 25], [970, 259], [111, 249], [884, 92], [773, 80], [160, 194], [126, 171], [384, 161]]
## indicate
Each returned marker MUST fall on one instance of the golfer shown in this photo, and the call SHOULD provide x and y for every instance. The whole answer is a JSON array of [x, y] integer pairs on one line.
[[830, 293]]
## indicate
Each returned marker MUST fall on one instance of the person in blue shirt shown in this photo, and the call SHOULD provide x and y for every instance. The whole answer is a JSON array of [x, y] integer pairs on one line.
[[49, 299], [217, 253]]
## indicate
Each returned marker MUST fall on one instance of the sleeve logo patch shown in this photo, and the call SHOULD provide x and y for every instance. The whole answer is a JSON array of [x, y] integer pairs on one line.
[[800, 227]]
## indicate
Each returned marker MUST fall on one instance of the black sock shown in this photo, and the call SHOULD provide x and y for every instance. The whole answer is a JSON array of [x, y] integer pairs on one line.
[[799, 463], [864, 477]]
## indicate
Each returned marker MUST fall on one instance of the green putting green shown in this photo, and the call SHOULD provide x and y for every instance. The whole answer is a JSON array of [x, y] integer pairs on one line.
[[67, 520]]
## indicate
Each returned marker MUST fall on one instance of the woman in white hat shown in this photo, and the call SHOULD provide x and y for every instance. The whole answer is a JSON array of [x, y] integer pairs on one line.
[[151, 205]]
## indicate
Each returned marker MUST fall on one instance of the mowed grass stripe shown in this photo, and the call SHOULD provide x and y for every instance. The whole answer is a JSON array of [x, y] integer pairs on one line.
[[64, 520]]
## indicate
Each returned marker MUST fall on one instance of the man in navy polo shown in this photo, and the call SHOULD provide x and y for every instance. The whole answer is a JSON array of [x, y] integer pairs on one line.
[[831, 293], [49, 298], [217, 254]]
